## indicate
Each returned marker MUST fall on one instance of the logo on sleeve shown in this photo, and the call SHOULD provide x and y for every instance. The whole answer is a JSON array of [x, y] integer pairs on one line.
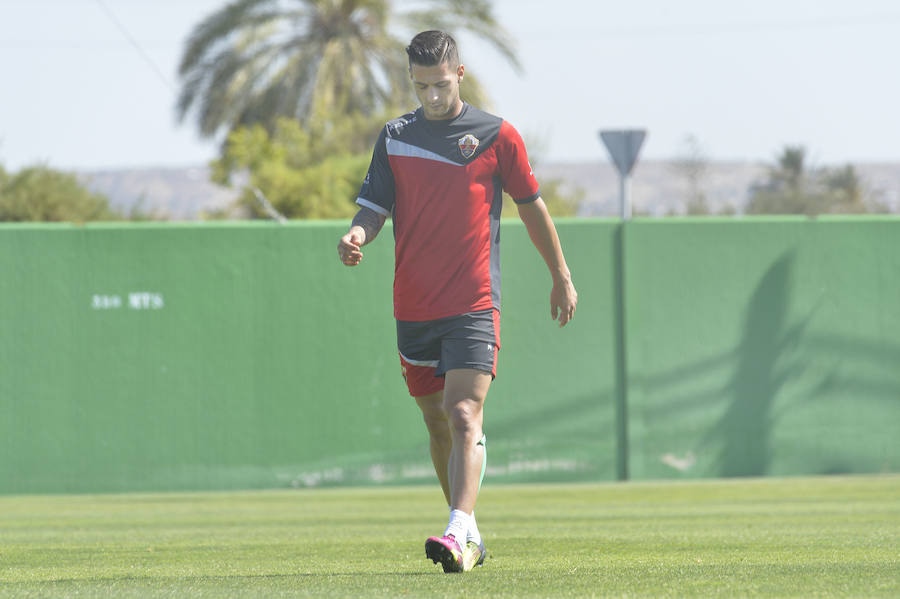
[[467, 145]]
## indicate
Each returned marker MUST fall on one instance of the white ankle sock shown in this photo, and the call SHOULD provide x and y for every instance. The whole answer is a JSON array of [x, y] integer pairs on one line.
[[472, 534], [458, 526]]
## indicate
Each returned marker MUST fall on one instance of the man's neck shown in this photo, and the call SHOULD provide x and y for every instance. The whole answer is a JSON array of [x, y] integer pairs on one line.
[[449, 116]]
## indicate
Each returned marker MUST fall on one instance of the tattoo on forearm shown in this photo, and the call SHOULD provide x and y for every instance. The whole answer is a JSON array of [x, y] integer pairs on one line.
[[370, 221]]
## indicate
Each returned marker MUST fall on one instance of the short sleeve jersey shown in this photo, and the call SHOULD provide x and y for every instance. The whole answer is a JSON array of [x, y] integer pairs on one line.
[[442, 182]]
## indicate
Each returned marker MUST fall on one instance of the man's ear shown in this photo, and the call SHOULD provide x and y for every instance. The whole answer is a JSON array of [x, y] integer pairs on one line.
[[460, 71]]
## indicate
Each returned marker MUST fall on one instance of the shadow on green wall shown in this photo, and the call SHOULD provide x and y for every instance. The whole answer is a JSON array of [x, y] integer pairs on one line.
[[799, 391], [845, 377], [745, 427]]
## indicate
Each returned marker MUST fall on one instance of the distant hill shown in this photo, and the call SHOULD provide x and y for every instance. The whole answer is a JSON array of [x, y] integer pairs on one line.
[[165, 193], [658, 188]]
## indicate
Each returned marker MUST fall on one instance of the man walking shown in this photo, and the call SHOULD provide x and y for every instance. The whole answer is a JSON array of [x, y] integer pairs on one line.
[[439, 173]]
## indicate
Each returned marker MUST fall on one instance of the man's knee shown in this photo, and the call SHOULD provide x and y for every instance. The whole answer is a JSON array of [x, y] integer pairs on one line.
[[464, 412], [464, 416]]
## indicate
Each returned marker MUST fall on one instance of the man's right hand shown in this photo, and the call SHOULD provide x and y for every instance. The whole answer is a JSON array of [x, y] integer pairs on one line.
[[348, 247]]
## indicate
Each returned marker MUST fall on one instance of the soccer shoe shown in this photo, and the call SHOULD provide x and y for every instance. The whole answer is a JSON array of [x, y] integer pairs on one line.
[[473, 555], [445, 550]]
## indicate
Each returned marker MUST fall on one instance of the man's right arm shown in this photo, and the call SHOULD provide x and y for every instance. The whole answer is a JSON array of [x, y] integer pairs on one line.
[[365, 227]]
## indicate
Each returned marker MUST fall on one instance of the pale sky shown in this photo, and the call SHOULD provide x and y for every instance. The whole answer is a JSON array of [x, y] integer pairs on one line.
[[743, 77]]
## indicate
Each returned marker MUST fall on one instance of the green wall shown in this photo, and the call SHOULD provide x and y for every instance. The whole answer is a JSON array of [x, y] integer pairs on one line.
[[218, 356], [232, 356]]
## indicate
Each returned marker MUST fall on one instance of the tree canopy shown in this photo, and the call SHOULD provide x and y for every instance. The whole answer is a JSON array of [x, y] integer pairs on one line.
[[255, 61], [40, 193], [302, 173]]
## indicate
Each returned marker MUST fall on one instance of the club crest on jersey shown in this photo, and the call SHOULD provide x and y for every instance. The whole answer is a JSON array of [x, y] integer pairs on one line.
[[467, 145]]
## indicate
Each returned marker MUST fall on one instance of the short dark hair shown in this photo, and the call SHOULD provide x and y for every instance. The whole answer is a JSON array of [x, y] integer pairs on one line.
[[431, 48]]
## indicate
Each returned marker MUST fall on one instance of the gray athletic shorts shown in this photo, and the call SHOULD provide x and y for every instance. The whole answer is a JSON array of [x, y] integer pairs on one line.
[[430, 348]]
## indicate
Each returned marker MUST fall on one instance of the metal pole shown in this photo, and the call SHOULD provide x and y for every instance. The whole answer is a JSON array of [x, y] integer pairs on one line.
[[623, 147], [621, 355], [625, 196]]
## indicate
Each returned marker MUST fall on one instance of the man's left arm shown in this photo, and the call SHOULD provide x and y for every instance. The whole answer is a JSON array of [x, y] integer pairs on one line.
[[563, 297]]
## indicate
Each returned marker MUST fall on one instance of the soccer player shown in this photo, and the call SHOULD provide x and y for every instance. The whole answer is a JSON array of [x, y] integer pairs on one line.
[[439, 173]]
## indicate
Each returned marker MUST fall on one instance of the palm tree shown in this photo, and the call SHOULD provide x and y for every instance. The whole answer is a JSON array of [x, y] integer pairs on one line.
[[254, 61], [790, 189], [790, 171]]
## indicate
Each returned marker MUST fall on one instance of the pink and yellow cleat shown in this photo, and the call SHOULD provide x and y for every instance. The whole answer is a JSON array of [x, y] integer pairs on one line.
[[473, 555], [445, 550]]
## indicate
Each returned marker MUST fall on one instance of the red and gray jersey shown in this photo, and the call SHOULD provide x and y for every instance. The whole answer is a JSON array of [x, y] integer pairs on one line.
[[442, 183]]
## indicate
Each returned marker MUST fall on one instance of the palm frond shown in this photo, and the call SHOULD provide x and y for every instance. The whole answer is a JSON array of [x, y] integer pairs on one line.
[[254, 61], [217, 27]]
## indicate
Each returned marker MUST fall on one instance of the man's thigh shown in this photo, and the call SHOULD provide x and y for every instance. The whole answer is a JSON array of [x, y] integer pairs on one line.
[[464, 385]]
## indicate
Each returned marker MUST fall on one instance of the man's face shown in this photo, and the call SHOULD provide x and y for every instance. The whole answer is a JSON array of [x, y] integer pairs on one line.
[[437, 88]]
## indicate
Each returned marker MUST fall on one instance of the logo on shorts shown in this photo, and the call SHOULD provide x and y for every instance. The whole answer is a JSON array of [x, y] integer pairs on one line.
[[490, 347], [467, 145]]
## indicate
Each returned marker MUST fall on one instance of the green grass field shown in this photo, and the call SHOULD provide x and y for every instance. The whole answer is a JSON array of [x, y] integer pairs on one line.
[[807, 537]]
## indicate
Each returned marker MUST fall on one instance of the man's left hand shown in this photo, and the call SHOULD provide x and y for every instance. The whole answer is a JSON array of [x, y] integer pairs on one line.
[[563, 299]]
